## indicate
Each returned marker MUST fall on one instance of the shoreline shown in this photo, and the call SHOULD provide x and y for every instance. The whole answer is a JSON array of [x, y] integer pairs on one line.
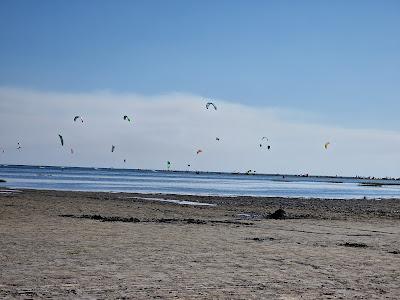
[[112, 245], [363, 198], [244, 173]]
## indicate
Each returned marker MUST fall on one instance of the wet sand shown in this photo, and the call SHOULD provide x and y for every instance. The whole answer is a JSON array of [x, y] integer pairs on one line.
[[109, 245]]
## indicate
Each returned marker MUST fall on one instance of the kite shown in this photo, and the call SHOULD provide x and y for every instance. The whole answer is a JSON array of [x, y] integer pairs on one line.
[[78, 118], [61, 139], [210, 103], [262, 139]]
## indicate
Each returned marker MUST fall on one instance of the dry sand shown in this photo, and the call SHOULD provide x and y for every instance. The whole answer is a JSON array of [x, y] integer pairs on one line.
[[326, 249]]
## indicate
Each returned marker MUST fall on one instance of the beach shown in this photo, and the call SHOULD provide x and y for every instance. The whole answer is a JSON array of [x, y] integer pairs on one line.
[[97, 245]]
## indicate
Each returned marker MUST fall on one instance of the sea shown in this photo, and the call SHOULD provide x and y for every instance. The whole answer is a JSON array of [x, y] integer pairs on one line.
[[195, 183]]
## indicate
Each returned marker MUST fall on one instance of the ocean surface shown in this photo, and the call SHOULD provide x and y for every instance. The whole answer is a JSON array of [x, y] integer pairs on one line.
[[220, 184]]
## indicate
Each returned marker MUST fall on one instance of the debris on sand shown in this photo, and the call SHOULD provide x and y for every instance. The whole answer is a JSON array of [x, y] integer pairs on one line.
[[394, 252], [198, 221], [260, 239], [354, 245], [279, 214], [104, 219], [119, 219], [230, 222], [162, 220], [188, 221], [2, 180]]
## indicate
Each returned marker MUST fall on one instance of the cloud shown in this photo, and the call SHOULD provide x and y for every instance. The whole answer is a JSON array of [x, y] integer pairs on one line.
[[173, 126]]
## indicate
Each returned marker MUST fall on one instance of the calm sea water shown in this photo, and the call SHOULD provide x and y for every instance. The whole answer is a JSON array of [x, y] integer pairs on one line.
[[147, 181]]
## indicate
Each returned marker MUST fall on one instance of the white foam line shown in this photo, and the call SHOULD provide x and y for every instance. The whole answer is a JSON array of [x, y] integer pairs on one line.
[[244, 215], [10, 191], [180, 202]]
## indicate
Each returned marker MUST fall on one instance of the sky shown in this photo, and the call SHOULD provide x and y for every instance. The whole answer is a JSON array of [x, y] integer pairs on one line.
[[318, 70]]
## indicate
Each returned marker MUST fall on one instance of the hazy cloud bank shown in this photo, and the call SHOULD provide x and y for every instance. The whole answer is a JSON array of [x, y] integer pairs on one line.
[[173, 126]]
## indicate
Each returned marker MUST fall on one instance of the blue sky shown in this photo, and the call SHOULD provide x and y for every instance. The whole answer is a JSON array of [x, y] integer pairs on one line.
[[339, 59]]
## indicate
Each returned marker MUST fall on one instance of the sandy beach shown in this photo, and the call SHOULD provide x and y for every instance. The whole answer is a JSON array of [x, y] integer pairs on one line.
[[111, 245]]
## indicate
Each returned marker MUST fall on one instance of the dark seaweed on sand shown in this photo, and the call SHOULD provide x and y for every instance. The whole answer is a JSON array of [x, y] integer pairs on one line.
[[162, 220], [260, 239], [103, 219], [354, 245]]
